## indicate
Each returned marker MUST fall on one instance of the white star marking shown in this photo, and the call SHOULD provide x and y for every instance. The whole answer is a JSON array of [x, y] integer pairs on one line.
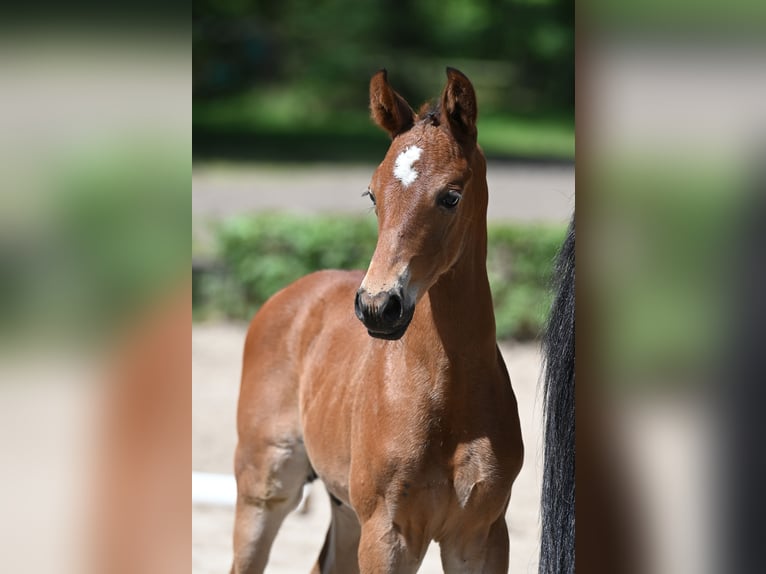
[[403, 169]]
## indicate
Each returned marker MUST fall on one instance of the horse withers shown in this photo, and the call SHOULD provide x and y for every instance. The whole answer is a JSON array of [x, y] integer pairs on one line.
[[389, 385]]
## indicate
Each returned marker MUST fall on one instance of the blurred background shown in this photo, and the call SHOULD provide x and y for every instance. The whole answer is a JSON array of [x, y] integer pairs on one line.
[[95, 164], [285, 82], [669, 288], [283, 149], [281, 124]]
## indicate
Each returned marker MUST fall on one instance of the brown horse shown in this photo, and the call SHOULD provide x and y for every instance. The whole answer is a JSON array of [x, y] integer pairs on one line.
[[406, 414]]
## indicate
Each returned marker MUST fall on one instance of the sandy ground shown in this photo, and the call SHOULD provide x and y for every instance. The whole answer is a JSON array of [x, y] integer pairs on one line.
[[216, 356]]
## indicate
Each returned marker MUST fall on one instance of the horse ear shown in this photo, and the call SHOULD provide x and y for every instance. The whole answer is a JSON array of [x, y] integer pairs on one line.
[[458, 104], [389, 110]]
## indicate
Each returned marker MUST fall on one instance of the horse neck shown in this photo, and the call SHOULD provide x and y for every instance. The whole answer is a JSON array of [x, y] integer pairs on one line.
[[461, 300]]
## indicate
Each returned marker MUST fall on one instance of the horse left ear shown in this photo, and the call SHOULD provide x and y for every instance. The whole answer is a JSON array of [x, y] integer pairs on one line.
[[389, 110], [458, 105]]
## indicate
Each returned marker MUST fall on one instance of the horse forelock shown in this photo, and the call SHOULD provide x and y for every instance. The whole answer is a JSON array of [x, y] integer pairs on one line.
[[429, 113]]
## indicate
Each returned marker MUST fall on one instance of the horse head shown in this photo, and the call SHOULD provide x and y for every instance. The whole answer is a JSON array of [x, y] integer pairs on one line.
[[427, 197]]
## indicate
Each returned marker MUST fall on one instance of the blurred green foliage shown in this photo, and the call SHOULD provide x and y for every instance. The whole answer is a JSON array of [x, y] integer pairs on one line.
[[111, 237], [682, 19], [266, 73], [123, 215], [264, 253], [660, 279], [520, 261]]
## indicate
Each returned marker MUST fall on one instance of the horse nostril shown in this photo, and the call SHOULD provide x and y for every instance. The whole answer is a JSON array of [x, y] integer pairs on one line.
[[358, 306], [393, 308]]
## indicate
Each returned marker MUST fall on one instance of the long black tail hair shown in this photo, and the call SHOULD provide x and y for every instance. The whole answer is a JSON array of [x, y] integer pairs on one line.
[[558, 492]]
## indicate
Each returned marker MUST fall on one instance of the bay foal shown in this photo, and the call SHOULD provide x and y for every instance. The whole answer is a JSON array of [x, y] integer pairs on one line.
[[389, 385]]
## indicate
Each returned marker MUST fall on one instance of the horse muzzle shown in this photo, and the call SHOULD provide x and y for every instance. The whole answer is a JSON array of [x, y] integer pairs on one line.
[[386, 314]]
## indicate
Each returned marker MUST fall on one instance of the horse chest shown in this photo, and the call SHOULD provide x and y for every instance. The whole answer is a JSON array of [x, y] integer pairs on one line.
[[405, 444], [431, 477]]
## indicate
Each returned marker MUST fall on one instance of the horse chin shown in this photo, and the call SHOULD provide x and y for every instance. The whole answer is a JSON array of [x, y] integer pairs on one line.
[[394, 335]]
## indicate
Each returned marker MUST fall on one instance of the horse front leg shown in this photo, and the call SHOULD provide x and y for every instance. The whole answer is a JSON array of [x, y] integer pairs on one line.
[[384, 549], [340, 550], [270, 480], [478, 551]]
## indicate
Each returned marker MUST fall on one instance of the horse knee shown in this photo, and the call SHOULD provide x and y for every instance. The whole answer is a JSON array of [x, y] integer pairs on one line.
[[269, 486], [271, 478]]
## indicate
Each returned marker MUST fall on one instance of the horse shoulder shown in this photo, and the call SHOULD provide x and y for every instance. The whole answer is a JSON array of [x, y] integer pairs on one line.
[[489, 458]]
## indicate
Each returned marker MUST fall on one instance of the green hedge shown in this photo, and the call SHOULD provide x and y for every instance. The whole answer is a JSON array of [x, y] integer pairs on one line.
[[262, 254], [520, 260]]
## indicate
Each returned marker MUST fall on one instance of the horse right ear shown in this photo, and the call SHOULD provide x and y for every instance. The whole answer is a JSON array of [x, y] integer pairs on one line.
[[458, 103], [389, 110]]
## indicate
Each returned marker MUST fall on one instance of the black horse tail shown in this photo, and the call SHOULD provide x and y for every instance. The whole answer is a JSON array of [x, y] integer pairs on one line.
[[558, 492]]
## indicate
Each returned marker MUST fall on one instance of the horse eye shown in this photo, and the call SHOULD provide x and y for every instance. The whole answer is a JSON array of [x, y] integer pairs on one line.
[[450, 199], [370, 195]]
